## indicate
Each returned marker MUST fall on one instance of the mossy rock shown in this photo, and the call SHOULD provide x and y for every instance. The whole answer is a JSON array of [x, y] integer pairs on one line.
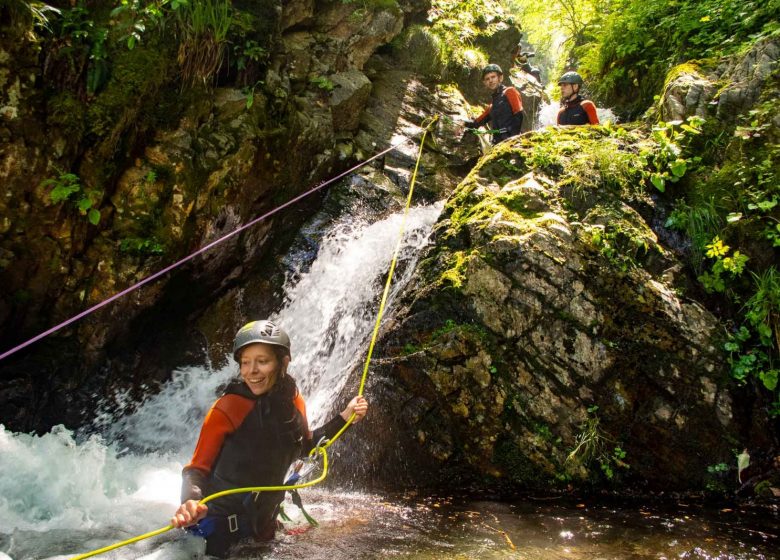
[[421, 51], [136, 76]]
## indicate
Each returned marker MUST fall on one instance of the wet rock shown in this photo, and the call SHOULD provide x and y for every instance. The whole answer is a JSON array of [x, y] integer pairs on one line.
[[348, 98], [530, 335], [295, 12], [694, 90]]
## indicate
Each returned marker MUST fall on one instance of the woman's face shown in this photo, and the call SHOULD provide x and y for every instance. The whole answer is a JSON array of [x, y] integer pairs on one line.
[[259, 367]]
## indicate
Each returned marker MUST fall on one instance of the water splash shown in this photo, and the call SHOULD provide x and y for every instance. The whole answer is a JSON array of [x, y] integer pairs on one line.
[[62, 494], [331, 309]]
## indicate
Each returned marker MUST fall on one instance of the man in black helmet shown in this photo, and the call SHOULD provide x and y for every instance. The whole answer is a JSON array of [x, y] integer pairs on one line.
[[505, 112], [575, 109]]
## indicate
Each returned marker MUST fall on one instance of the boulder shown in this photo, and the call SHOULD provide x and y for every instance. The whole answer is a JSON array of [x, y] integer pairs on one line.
[[699, 90], [541, 345], [348, 98]]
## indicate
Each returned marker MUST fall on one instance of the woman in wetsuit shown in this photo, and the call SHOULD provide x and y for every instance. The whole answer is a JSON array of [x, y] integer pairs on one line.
[[249, 438]]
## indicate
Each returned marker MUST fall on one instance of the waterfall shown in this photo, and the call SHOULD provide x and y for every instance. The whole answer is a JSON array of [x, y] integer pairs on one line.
[[60, 495]]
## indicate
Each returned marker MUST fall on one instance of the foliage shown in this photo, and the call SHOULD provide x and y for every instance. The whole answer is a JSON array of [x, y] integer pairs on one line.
[[735, 197], [25, 13], [323, 83], [701, 222], [374, 4], [715, 476], [134, 18], [754, 346], [204, 26], [555, 28], [713, 280], [635, 43], [457, 24], [67, 187], [592, 444], [666, 158], [624, 48], [141, 246]]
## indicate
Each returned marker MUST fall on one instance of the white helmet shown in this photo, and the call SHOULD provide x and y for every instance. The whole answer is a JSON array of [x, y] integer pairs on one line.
[[259, 331]]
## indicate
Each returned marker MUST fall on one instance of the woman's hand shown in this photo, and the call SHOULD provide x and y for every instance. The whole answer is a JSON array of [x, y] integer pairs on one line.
[[358, 406], [189, 513]]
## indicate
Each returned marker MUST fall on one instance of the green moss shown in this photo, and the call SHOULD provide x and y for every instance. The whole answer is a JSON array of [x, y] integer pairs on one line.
[[515, 462], [68, 114], [136, 76], [421, 51], [455, 275]]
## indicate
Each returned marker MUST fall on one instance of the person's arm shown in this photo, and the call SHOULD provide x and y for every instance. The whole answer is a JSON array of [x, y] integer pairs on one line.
[[358, 406], [515, 101], [590, 109], [480, 120], [216, 426], [516, 104]]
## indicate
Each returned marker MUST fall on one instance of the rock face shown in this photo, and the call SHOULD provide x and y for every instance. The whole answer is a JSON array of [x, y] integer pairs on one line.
[[694, 90], [542, 344], [169, 169]]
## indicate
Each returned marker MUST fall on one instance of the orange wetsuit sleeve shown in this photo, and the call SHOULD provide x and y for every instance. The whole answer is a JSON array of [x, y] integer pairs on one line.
[[480, 120], [515, 101], [225, 416], [590, 109], [300, 405]]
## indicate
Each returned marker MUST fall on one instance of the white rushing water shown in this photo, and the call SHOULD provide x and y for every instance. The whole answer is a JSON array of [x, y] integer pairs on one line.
[[61, 496]]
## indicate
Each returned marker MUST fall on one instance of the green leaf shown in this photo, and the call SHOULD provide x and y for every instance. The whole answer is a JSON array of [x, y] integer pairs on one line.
[[84, 204], [769, 379], [62, 192], [658, 181], [93, 216], [734, 217], [679, 167]]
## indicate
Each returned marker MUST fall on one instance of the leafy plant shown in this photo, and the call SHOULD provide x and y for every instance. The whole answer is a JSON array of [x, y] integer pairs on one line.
[[754, 346], [204, 25], [249, 51], [666, 159], [67, 187], [135, 17], [714, 482], [701, 222], [323, 83], [592, 444], [141, 246], [713, 280]]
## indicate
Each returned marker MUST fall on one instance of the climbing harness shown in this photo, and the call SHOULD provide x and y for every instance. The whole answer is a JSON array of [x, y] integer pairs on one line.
[[320, 450]]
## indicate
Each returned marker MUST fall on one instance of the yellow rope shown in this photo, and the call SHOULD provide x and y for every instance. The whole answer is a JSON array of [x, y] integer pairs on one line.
[[320, 449], [426, 128]]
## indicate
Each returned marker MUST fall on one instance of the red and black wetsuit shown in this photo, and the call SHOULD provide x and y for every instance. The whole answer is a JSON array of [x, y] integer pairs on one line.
[[578, 111], [505, 113], [248, 440]]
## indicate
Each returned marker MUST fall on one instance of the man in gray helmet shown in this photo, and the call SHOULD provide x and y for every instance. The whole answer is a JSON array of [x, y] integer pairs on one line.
[[505, 112], [249, 438], [575, 109]]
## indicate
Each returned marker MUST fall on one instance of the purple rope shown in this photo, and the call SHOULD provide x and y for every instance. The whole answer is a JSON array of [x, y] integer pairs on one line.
[[195, 254]]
